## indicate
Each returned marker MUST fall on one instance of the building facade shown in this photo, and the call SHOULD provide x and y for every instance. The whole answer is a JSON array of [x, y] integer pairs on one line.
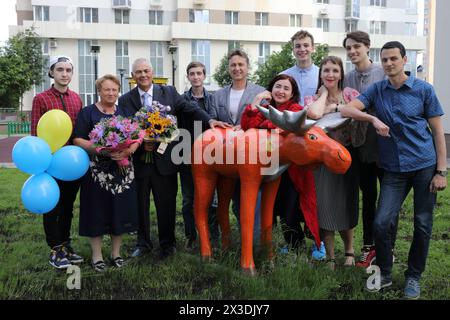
[[105, 36]]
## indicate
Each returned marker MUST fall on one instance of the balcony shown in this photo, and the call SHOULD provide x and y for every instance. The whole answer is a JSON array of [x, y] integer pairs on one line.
[[121, 4]]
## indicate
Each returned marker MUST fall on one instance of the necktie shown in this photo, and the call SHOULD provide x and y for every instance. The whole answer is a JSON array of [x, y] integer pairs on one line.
[[147, 101]]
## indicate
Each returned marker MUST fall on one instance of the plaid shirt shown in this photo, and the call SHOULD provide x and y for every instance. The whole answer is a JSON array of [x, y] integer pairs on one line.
[[51, 99]]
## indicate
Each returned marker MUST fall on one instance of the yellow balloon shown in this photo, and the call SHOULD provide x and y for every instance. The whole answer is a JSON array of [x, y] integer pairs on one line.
[[55, 127]]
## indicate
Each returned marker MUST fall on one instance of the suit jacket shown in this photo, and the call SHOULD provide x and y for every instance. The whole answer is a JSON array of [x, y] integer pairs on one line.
[[131, 102], [221, 109]]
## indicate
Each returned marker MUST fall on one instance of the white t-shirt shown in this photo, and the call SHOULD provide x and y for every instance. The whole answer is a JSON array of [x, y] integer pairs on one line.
[[235, 98]]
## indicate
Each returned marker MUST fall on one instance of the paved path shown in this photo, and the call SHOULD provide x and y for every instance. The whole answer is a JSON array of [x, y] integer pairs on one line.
[[6, 145]]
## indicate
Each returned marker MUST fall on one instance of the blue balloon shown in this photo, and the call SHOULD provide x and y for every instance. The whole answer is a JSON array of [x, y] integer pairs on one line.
[[31, 155], [40, 193], [69, 163]]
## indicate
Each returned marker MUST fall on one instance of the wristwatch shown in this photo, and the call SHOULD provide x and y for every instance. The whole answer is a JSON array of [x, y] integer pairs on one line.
[[441, 173]]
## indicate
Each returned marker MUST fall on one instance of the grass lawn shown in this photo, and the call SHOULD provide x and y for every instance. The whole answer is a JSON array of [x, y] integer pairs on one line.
[[26, 274]]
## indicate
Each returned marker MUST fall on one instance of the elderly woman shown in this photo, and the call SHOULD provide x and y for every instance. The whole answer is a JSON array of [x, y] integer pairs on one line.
[[108, 198], [337, 194]]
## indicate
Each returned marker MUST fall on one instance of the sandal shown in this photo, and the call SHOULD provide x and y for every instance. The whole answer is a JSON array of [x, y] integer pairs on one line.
[[99, 266], [349, 259], [117, 262]]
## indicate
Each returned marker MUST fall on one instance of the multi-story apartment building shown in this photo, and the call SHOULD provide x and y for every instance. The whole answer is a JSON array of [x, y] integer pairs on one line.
[[171, 33]]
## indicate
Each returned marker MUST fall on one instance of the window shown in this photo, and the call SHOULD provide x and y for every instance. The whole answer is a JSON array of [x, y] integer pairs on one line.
[[348, 66], [122, 16], [411, 29], [411, 63], [351, 25], [263, 52], [324, 24], [377, 27], [45, 84], [122, 62], [198, 16], [378, 3], [261, 18], [411, 6], [233, 45], [231, 17], [156, 58], [41, 13], [86, 71], [89, 15], [352, 8], [201, 51], [323, 1], [295, 20], [155, 17], [374, 55]]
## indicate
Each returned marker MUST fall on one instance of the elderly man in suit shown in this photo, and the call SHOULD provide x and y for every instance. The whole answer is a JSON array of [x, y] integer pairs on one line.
[[230, 102], [160, 176]]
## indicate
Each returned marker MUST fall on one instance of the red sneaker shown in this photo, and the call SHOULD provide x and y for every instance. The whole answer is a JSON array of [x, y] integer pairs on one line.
[[367, 257]]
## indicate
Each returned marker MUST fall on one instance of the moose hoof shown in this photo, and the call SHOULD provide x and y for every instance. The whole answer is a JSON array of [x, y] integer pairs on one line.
[[206, 259], [250, 272]]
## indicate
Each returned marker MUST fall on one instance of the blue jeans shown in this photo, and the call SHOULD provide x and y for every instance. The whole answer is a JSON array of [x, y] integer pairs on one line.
[[394, 189]]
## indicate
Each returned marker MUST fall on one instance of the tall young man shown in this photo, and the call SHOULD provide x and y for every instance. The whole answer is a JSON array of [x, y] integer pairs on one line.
[[412, 152], [305, 72], [57, 223], [357, 46]]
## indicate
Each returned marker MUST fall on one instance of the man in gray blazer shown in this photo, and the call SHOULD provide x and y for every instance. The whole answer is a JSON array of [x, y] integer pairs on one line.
[[229, 104], [231, 100]]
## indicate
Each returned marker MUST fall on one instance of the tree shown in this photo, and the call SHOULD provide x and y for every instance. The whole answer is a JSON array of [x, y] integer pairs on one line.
[[320, 52], [275, 63], [21, 66], [221, 75]]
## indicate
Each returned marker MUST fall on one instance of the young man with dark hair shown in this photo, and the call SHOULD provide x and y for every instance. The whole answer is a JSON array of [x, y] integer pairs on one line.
[[412, 152], [57, 223], [196, 74], [357, 46]]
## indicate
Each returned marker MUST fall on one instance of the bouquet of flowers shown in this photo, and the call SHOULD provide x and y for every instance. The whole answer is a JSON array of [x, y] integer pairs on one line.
[[115, 134], [158, 125]]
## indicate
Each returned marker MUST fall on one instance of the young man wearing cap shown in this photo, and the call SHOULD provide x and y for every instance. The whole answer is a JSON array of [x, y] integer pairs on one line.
[[57, 222]]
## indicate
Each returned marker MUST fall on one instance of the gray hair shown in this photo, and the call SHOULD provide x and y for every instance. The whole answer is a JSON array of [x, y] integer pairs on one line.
[[139, 61]]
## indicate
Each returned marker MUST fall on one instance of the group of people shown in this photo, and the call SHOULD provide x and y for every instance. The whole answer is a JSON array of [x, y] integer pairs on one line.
[[396, 137]]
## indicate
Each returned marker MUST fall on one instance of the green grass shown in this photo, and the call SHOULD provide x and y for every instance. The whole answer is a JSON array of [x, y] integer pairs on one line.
[[26, 274]]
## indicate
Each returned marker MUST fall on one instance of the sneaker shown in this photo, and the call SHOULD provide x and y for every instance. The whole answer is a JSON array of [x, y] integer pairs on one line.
[[118, 262], [412, 289], [284, 250], [71, 255], [99, 266], [385, 281], [58, 258], [367, 258], [319, 254]]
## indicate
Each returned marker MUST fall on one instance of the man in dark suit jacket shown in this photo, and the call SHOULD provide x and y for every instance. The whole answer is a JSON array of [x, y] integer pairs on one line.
[[160, 176]]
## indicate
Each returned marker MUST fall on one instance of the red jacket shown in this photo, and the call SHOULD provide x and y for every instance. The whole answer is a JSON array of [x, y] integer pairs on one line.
[[302, 178]]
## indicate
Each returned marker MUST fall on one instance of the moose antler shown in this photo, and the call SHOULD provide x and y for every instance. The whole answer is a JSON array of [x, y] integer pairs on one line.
[[287, 120]]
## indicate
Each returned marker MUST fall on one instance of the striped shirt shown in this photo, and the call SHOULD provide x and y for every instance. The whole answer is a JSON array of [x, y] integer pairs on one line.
[[53, 99]]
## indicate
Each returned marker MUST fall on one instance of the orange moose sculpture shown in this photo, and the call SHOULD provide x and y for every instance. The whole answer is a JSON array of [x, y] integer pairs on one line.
[[297, 143]]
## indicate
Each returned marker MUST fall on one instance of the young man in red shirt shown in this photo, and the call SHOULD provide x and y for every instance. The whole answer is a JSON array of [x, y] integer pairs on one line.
[[57, 222]]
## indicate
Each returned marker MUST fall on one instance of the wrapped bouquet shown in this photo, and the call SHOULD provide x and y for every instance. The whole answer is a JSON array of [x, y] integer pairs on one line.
[[115, 134], [158, 125]]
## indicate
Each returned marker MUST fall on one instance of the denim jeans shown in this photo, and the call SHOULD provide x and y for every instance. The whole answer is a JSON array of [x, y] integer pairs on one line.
[[394, 189]]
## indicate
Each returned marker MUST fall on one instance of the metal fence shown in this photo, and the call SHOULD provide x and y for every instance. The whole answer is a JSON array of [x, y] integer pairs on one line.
[[18, 128]]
